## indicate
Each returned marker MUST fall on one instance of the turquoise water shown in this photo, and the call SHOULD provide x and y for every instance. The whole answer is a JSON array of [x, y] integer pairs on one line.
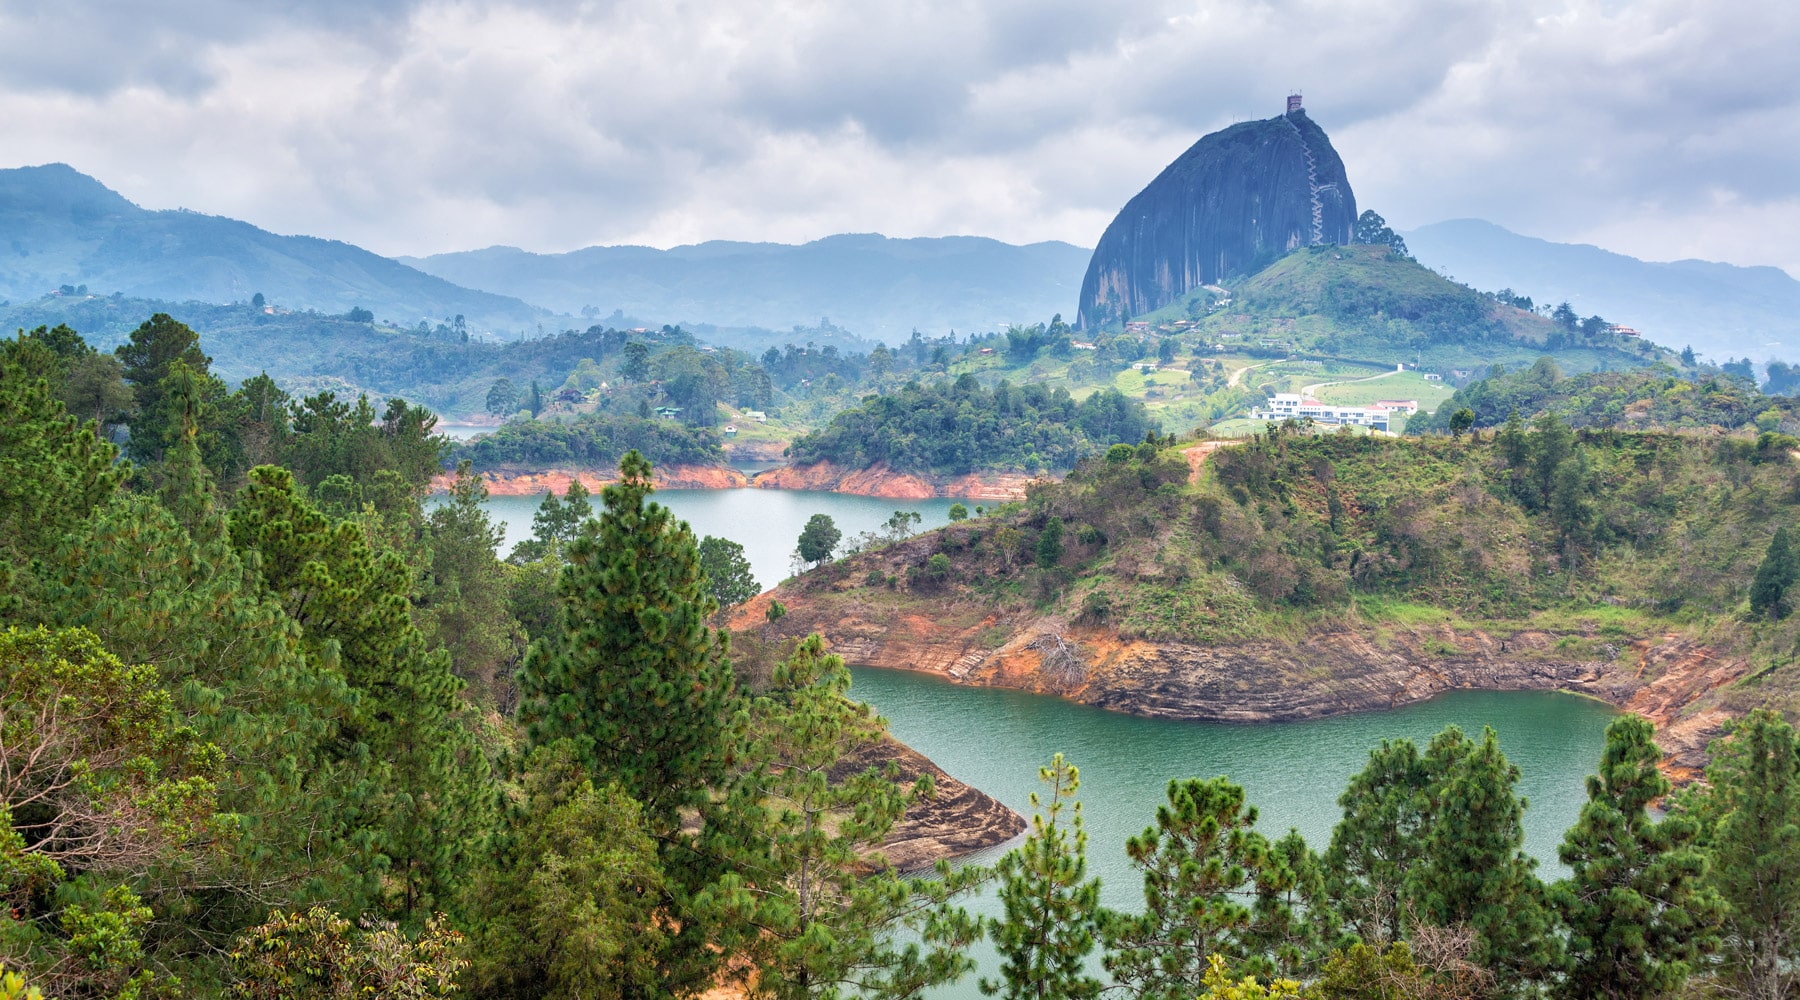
[[766, 523], [1293, 772], [996, 740]]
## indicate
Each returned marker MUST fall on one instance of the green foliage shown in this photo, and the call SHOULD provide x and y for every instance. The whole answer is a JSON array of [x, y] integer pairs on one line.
[[13, 986], [462, 601], [1473, 872], [1378, 841], [1373, 229], [350, 601], [1049, 548], [594, 440], [1638, 914], [317, 955], [1220, 986], [1205, 867], [98, 776], [728, 575], [1752, 830], [52, 473], [569, 897], [818, 538], [956, 428], [832, 918], [158, 349], [1653, 398], [1777, 572], [958, 512], [1050, 906], [632, 674]]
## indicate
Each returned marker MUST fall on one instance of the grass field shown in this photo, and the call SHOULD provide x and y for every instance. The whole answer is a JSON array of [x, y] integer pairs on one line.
[[1400, 385]]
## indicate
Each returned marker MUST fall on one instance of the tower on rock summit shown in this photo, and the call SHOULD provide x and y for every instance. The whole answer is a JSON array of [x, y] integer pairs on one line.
[[1234, 201]]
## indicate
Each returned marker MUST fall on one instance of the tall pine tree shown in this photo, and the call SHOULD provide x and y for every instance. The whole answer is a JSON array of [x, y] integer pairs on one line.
[[1051, 906], [1474, 873], [1776, 573], [633, 674], [1637, 912], [1378, 841]]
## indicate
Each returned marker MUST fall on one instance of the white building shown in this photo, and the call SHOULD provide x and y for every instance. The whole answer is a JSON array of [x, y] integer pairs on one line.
[[1293, 406]]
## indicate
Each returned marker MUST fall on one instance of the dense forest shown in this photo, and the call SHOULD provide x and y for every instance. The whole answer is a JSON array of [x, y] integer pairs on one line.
[[595, 440], [959, 427], [273, 729]]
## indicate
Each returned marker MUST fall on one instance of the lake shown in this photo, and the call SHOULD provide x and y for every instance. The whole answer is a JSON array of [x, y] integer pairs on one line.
[[996, 739], [766, 523]]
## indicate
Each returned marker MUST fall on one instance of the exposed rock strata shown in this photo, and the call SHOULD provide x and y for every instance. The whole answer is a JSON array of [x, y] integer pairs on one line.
[[881, 481], [1670, 680], [957, 820], [668, 477], [1236, 198]]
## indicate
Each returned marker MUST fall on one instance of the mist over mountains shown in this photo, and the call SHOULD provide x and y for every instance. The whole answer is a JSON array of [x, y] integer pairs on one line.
[[872, 285], [1720, 309], [61, 227]]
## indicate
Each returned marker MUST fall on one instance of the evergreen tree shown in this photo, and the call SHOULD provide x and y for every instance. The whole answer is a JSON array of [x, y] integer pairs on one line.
[[633, 675], [53, 472], [463, 595], [351, 603], [1202, 862], [1473, 872], [1776, 573], [1755, 847], [1050, 906], [149, 357], [830, 920], [568, 901], [1050, 544], [1378, 841], [1634, 904]]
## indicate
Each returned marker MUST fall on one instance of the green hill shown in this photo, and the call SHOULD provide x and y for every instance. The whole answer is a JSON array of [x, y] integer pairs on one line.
[[1365, 303]]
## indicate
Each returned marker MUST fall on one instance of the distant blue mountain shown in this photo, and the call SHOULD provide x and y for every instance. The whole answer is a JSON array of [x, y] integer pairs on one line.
[[1720, 309], [61, 227], [870, 285]]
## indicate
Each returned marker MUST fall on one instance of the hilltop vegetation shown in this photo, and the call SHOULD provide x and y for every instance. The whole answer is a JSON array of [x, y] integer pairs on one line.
[[1658, 398], [959, 427]]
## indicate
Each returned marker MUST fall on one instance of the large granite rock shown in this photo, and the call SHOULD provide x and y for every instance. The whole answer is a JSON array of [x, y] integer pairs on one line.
[[1235, 200]]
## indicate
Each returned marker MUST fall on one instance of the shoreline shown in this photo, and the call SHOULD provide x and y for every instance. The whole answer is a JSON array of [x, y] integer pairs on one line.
[[821, 477], [1673, 680]]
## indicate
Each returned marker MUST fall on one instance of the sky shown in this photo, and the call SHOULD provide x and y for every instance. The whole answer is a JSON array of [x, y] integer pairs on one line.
[[1663, 128]]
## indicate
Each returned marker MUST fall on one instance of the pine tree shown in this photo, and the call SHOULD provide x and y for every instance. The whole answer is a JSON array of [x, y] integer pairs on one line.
[[1378, 841], [1776, 573], [1637, 912], [831, 919], [351, 603], [1474, 872], [462, 603], [1755, 847], [1202, 862], [633, 674], [1051, 907]]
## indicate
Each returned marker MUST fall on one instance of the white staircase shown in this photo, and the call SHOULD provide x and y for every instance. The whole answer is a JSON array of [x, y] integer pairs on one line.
[[1312, 184]]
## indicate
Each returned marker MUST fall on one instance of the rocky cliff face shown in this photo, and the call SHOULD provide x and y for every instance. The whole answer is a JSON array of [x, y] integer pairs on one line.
[[1236, 198]]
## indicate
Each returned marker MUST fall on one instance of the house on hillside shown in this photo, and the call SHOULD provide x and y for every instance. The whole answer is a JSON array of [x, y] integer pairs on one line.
[[668, 412], [1406, 406], [1293, 406]]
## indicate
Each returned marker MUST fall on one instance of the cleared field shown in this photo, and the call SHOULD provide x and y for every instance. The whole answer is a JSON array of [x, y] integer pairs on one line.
[[1400, 385]]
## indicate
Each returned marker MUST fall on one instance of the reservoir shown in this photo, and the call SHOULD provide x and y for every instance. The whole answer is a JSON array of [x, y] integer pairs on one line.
[[766, 523], [996, 739]]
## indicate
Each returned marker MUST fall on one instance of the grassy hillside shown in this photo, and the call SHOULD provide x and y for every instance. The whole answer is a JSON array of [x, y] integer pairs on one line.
[[1363, 303], [1616, 536], [1658, 398]]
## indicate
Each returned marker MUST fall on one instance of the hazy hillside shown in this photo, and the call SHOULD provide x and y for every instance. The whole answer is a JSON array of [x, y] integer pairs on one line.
[[61, 227], [1721, 309], [868, 284]]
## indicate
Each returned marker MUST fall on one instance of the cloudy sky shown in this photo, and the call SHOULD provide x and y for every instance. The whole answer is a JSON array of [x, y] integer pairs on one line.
[[1662, 128]]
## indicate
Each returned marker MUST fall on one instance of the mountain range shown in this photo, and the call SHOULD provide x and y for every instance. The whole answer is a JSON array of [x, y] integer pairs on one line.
[[871, 285], [61, 227], [1720, 309]]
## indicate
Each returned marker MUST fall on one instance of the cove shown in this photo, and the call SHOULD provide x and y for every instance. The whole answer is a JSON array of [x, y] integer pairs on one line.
[[996, 739], [766, 523]]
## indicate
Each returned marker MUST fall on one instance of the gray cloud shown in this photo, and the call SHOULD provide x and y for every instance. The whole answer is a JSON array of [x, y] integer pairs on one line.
[[1659, 127]]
